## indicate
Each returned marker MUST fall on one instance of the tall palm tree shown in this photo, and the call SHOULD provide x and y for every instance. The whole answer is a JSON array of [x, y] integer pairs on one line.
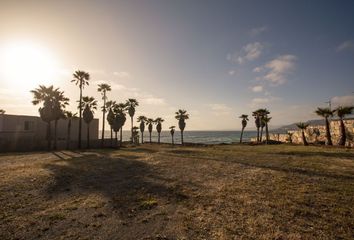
[[81, 78], [262, 113], [110, 117], [142, 120], [172, 131], [120, 111], [257, 121], [103, 88], [266, 120], [326, 113], [182, 116], [2, 111], [341, 112], [69, 116], [59, 104], [303, 127], [131, 105], [90, 105], [244, 118], [158, 122], [150, 123]]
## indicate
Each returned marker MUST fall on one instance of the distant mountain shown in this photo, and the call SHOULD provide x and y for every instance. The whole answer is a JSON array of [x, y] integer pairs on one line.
[[293, 126]]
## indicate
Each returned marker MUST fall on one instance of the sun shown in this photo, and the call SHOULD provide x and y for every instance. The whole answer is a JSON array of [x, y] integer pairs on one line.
[[25, 65]]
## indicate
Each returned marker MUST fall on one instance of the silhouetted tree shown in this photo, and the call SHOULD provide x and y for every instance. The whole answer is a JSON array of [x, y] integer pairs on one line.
[[257, 121], [326, 113], [142, 120], [290, 137], [2, 111], [119, 111], [341, 112], [172, 131], [182, 116], [59, 104], [110, 117], [103, 88], [135, 135], [266, 120], [303, 127], [158, 122], [69, 116], [244, 118], [90, 104], [150, 123], [81, 78], [131, 105]]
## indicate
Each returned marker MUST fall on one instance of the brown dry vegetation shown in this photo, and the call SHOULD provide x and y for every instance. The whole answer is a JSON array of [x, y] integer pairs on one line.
[[164, 192]]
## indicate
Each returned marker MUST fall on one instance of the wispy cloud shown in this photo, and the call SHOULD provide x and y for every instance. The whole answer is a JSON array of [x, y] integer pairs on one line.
[[122, 74], [219, 109], [346, 46], [261, 102], [256, 31], [342, 101], [278, 69], [250, 52], [257, 88]]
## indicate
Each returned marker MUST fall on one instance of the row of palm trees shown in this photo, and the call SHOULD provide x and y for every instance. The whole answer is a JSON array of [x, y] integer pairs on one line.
[[262, 119], [327, 113], [54, 105]]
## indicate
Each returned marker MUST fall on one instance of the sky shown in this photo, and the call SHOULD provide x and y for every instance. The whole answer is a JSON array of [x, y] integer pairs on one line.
[[216, 59]]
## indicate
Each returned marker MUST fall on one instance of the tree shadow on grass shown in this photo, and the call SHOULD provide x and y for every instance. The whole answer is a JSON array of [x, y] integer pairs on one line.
[[124, 180], [346, 155]]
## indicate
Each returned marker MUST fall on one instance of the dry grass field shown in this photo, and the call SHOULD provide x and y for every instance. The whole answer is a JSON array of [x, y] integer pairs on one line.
[[164, 192]]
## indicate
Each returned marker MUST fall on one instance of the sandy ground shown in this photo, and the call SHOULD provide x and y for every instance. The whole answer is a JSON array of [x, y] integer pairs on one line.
[[165, 192]]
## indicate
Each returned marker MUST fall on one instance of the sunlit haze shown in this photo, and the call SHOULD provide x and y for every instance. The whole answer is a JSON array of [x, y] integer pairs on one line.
[[216, 59]]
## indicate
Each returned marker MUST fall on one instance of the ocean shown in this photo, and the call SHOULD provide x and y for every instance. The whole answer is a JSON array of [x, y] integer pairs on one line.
[[207, 137]]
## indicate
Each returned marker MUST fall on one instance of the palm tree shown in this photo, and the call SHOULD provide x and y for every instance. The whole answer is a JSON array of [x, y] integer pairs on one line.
[[182, 116], [81, 78], [303, 127], [341, 112], [326, 113], [90, 105], [142, 120], [69, 116], [150, 123], [290, 137], [131, 105], [266, 120], [2, 111], [110, 117], [262, 113], [172, 131], [59, 104], [135, 135], [103, 88], [257, 121], [244, 124], [158, 122], [120, 110]]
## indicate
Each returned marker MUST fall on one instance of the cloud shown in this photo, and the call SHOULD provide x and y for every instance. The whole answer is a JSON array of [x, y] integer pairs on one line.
[[256, 31], [257, 88], [250, 52], [346, 46], [260, 102], [278, 69], [219, 109], [232, 72], [122, 74], [342, 101], [258, 69]]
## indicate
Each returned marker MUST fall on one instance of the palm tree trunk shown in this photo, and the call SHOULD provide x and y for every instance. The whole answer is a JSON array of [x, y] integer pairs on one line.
[[80, 117], [131, 118], [257, 134], [182, 137], [173, 141], [116, 139], [111, 137], [49, 138], [304, 138], [121, 137], [343, 137], [55, 133], [328, 133], [267, 133], [142, 137], [88, 135], [260, 137], [150, 136], [103, 120], [241, 134], [68, 136], [158, 140]]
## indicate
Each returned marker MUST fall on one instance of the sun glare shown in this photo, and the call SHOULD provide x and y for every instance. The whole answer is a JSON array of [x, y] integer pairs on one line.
[[25, 65]]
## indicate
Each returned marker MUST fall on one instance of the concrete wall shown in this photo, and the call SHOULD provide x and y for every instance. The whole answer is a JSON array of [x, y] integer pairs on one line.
[[312, 138], [24, 133]]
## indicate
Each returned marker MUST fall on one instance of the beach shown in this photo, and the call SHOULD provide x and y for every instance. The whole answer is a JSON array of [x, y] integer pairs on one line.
[[156, 191]]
